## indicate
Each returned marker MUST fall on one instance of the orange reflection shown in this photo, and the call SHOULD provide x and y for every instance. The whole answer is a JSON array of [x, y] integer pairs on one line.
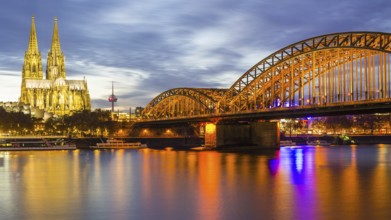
[[209, 177], [298, 183]]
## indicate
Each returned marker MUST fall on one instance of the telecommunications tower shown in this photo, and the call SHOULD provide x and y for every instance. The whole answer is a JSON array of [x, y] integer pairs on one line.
[[112, 98]]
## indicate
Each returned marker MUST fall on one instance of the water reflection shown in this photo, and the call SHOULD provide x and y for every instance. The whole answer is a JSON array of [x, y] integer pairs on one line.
[[292, 183]]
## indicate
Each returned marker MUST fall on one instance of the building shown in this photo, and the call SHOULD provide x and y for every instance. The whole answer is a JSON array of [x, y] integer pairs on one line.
[[54, 93], [121, 116], [138, 112], [15, 107]]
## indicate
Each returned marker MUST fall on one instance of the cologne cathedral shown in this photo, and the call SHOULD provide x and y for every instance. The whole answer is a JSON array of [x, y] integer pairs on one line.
[[54, 94]]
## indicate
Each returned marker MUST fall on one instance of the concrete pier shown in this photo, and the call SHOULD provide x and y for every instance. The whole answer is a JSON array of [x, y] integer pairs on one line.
[[260, 134]]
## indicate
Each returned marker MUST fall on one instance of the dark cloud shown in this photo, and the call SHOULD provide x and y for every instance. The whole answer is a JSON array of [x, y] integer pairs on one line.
[[148, 47]]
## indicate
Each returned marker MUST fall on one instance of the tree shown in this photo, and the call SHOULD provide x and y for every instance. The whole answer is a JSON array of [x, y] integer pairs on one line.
[[319, 124], [369, 122], [16, 121], [291, 124], [337, 122]]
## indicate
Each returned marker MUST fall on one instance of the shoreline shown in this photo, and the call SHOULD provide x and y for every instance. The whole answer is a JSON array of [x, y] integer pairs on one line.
[[178, 143], [38, 148]]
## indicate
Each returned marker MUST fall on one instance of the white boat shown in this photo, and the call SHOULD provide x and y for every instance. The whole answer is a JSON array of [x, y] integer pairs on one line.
[[118, 144], [318, 143], [287, 143]]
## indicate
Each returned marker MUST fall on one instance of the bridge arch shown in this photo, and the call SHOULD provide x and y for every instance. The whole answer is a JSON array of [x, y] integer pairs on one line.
[[332, 68], [179, 102]]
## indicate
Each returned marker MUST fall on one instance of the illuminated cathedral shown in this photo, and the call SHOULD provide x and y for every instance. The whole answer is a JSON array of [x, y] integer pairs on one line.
[[54, 94]]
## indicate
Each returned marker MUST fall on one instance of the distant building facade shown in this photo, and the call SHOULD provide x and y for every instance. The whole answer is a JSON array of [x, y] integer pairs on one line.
[[54, 94], [15, 107], [138, 112]]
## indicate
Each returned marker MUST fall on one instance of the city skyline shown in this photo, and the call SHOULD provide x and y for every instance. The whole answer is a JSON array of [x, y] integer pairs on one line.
[[149, 47]]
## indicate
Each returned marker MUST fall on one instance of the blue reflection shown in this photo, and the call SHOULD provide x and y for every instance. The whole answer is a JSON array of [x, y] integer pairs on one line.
[[299, 160], [297, 164], [273, 164], [295, 161]]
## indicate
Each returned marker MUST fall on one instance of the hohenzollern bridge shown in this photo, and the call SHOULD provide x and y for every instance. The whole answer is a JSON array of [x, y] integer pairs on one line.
[[341, 73]]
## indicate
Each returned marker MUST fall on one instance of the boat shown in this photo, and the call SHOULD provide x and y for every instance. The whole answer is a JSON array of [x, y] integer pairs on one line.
[[36, 144], [112, 143], [318, 142], [287, 143]]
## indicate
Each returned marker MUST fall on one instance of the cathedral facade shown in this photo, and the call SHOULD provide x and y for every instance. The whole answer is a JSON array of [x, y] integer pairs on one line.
[[54, 93]]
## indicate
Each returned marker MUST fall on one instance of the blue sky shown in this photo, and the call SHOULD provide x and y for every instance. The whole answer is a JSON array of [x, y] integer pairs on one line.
[[147, 47]]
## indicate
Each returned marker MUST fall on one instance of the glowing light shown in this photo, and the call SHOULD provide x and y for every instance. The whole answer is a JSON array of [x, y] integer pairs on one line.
[[299, 160], [210, 128], [113, 98]]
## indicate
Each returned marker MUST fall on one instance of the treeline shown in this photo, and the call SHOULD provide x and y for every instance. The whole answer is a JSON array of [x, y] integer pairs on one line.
[[15, 122], [352, 124], [84, 123]]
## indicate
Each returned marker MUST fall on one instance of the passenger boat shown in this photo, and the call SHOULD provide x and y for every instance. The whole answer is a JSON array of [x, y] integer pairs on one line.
[[287, 143], [36, 144], [118, 144], [318, 142]]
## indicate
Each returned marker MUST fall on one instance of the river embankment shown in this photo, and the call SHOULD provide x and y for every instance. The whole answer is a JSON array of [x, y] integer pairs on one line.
[[190, 142], [151, 142], [341, 139]]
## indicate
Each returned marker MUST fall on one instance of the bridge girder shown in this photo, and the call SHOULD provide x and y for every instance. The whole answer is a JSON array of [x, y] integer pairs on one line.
[[340, 68], [300, 68], [183, 102]]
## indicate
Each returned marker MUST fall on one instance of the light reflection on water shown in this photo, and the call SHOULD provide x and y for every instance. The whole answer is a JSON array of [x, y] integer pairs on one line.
[[293, 183]]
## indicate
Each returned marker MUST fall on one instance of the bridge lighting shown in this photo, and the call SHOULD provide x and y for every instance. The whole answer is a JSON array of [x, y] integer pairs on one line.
[[362, 76], [210, 128]]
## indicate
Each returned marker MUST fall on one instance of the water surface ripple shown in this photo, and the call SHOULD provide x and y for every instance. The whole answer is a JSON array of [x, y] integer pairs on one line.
[[343, 182]]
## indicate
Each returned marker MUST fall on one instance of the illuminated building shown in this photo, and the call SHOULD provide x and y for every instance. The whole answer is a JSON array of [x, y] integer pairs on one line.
[[138, 112], [54, 94], [121, 116]]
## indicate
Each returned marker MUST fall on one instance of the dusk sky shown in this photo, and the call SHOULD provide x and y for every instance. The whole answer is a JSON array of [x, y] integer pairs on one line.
[[149, 46]]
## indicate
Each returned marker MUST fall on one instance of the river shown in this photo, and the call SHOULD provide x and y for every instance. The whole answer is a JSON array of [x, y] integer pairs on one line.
[[334, 182]]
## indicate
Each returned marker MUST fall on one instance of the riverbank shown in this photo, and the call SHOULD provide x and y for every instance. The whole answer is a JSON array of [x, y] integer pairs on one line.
[[342, 139], [86, 142], [372, 139], [187, 143]]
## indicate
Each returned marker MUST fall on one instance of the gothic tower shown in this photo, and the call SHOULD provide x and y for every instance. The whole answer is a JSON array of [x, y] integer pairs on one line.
[[55, 67], [32, 66], [54, 94]]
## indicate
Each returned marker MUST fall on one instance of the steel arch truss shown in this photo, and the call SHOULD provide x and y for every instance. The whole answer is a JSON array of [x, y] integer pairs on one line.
[[334, 68], [183, 102]]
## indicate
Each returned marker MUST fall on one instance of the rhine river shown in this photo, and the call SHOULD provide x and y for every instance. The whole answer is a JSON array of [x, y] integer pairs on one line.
[[335, 182]]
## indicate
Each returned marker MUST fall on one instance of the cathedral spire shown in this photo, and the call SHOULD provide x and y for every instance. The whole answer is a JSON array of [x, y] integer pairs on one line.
[[55, 65], [33, 42], [54, 94], [56, 48], [32, 66]]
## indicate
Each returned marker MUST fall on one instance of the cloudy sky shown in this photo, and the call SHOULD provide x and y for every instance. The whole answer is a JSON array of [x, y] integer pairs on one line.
[[149, 46]]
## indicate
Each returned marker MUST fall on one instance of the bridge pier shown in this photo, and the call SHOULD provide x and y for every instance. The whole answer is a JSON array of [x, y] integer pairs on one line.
[[260, 134]]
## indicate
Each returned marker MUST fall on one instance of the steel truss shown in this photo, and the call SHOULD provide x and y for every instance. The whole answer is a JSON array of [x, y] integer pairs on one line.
[[340, 68], [182, 102], [331, 68]]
